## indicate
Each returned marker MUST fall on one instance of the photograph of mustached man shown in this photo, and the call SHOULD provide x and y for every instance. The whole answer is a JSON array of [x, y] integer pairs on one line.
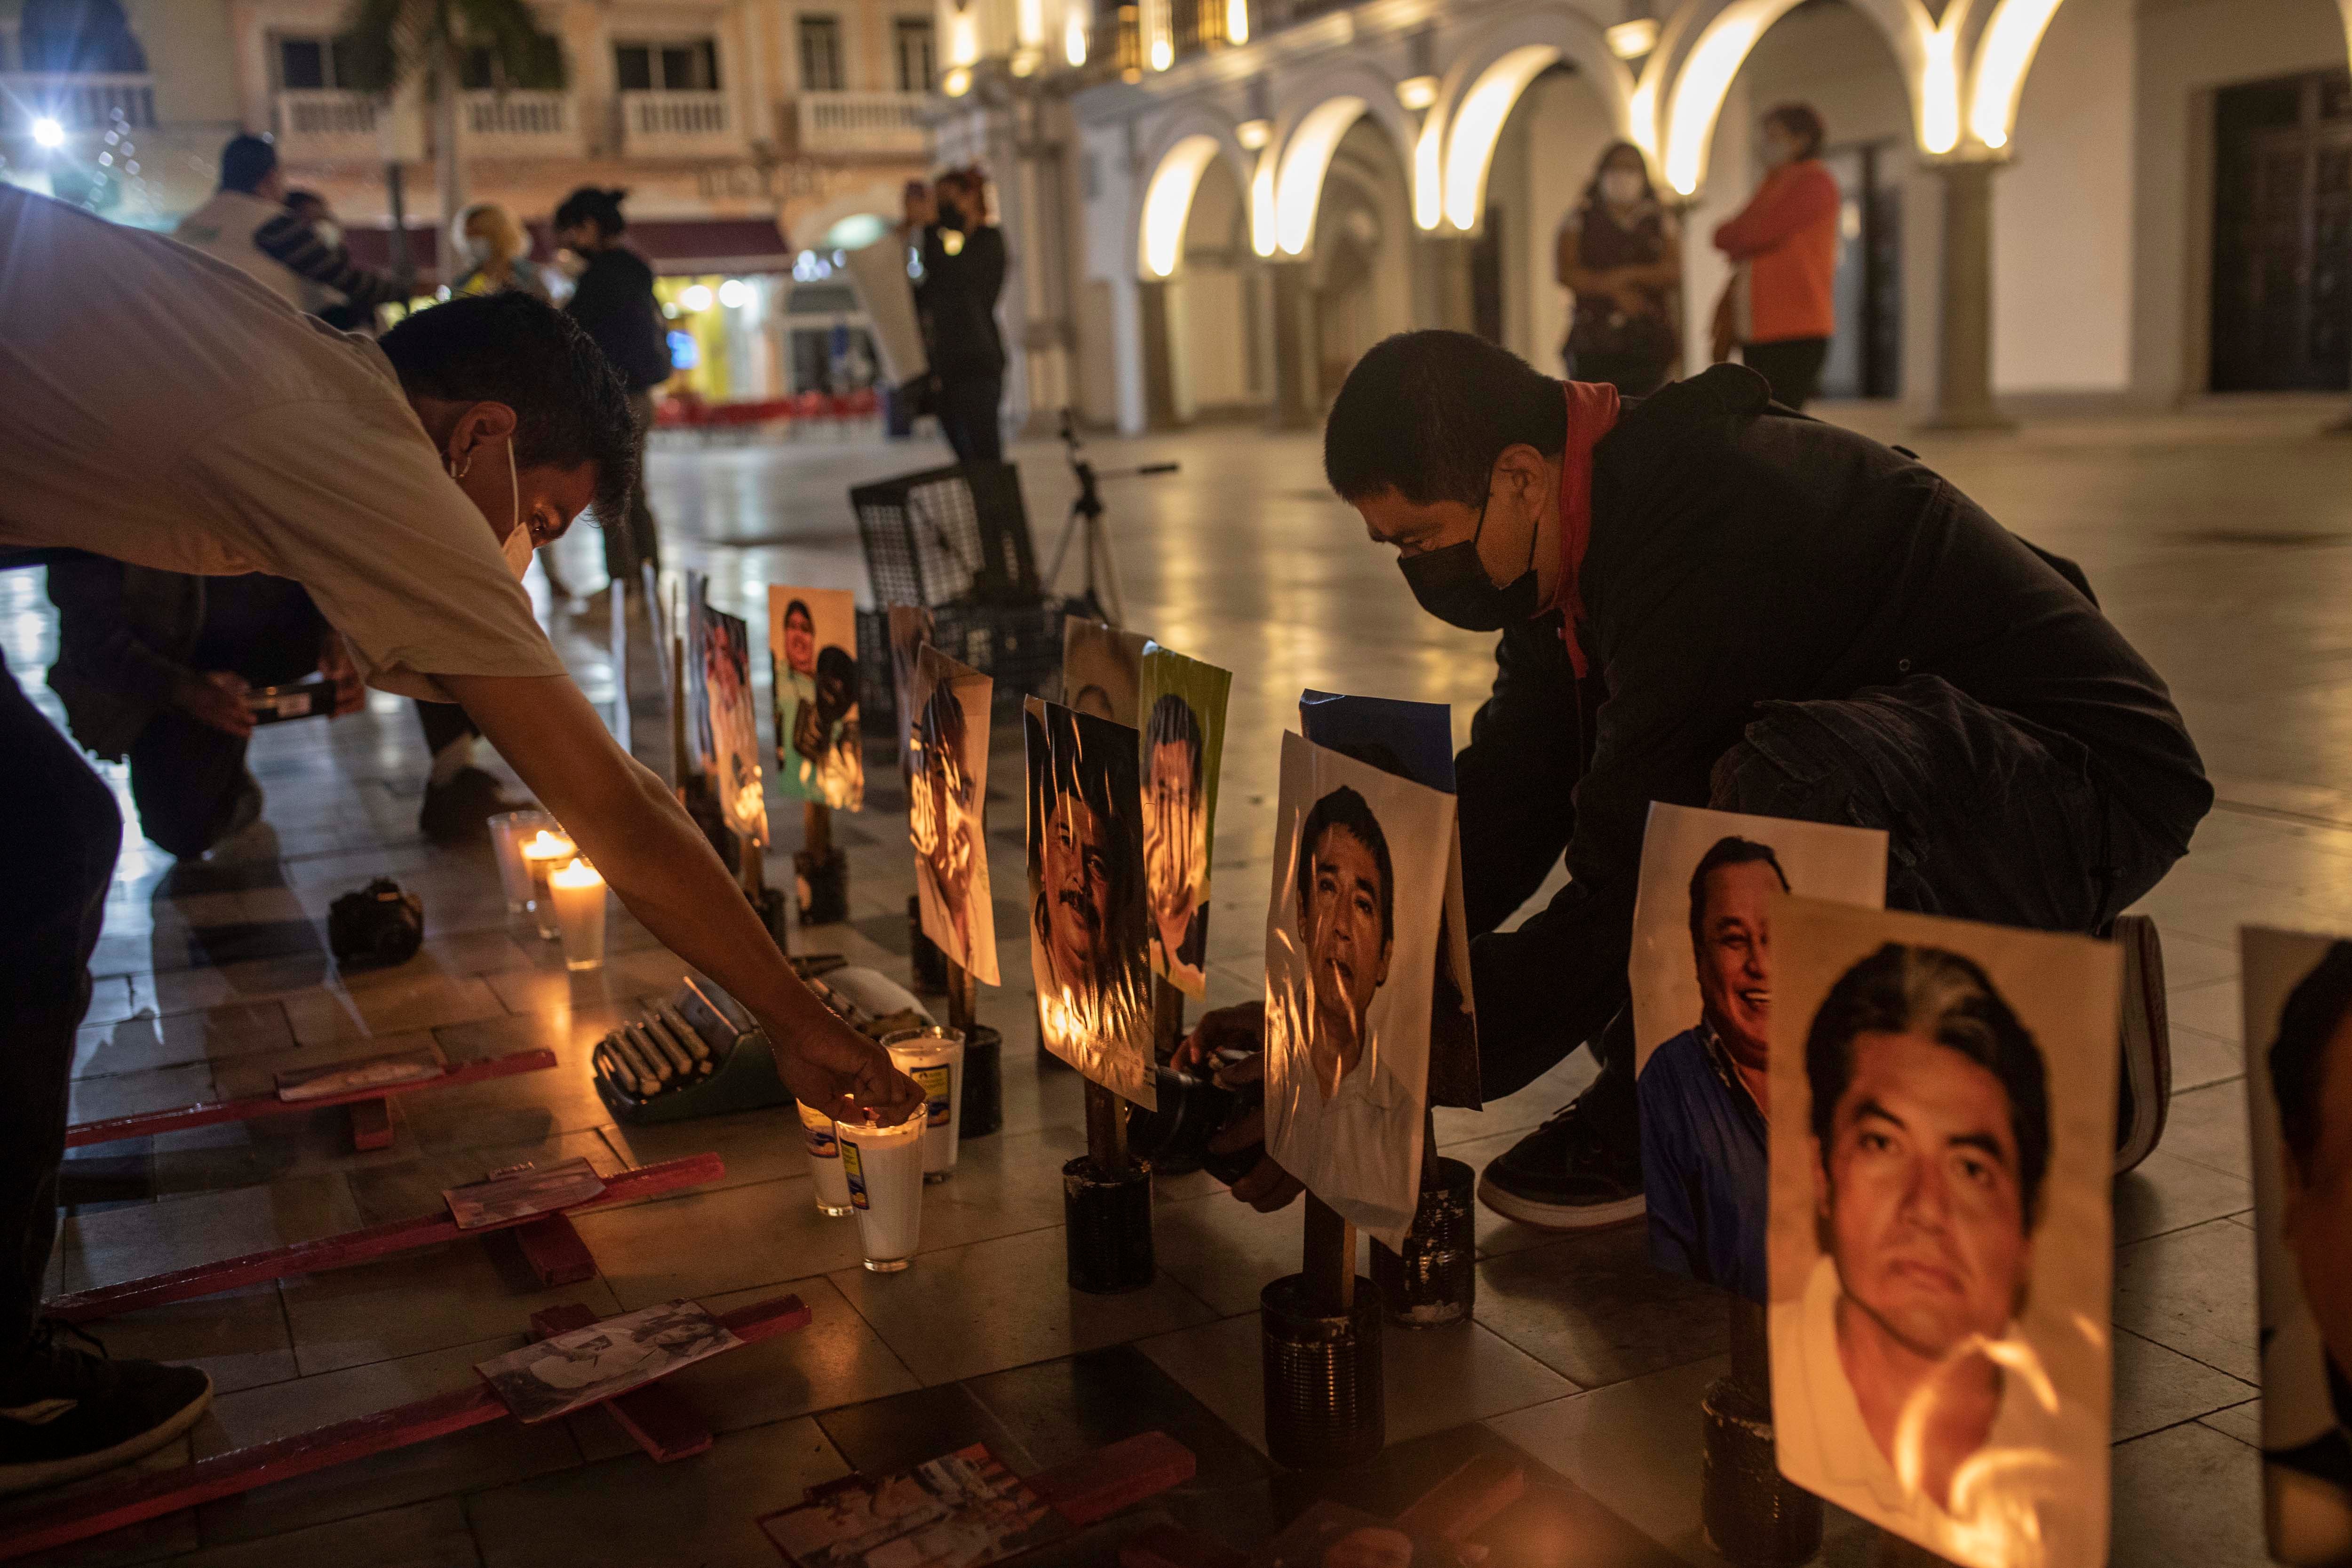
[[1087, 920], [948, 752], [1175, 841]]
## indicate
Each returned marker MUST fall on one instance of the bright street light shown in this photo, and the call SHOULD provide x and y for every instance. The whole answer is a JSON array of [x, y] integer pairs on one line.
[[48, 132]]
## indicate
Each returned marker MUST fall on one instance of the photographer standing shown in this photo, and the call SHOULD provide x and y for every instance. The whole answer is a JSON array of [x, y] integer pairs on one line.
[[963, 274], [613, 302]]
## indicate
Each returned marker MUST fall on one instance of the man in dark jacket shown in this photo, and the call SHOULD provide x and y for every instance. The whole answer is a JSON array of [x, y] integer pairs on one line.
[[613, 302], [963, 273], [1708, 600]]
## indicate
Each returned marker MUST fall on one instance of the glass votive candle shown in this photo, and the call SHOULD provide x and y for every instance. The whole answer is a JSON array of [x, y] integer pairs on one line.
[[509, 830], [578, 894], [885, 1169], [824, 1162], [933, 1057], [541, 856]]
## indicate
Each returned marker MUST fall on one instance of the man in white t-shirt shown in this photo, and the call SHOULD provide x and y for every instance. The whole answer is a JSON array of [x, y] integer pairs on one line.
[[169, 411]]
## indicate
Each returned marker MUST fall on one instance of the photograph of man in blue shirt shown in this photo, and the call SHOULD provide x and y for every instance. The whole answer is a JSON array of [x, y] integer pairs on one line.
[[1704, 1096]]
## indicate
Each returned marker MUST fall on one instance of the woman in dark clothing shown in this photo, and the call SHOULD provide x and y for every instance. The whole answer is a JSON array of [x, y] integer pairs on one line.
[[614, 303], [963, 273], [1620, 252]]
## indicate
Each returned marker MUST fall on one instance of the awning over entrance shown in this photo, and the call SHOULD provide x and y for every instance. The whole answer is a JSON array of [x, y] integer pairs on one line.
[[674, 246]]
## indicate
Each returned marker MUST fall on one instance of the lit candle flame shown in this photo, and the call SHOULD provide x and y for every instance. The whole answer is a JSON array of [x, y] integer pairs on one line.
[[578, 874]]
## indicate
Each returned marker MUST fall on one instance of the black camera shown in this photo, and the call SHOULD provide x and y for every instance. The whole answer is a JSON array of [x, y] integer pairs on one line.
[[378, 925], [1192, 1110]]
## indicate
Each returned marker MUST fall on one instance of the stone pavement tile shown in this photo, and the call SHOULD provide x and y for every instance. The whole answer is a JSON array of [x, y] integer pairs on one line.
[[137, 1093], [2243, 1422], [1521, 1112], [239, 1337], [257, 1074], [2155, 1388], [2199, 1058], [1003, 1303], [895, 1432], [2208, 1126], [2165, 1193], [152, 1541], [706, 1243], [180, 1233], [523, 1108], [756, 1145], [486, 1456], [1432, 1379], [246, 1154], [1064, 1410], [425, 1001], [135, 1045], [2193, 960], [1003, 1184], [1596, 1310], [835, 1360], [700, 1513], [112, 998], [2193, 1291], [1225, 1251], [2187, 1494], [431, 1534], [2212, 1008], [419, 1303], [414, 1186]]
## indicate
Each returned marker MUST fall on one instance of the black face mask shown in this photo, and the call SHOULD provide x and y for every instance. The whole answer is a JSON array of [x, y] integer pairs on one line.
[[951, 215], [1452, 584]]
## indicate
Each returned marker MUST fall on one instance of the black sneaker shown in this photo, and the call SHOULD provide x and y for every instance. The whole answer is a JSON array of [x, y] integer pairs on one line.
[[1565, 1175], [460, 811], [2144, 1086], [66, 1413]]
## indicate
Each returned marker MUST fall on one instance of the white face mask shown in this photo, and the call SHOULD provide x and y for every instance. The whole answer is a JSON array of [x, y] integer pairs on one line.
[[478, 247], [1621, 186], [517, 545]]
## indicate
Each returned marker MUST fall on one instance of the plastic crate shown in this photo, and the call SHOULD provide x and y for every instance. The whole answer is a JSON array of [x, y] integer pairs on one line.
[[946, 535], [1020, 646]]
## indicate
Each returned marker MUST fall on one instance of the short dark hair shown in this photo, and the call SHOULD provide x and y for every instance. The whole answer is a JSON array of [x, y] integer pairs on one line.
[[570, 406], [1948, 998], [595, 205], [246, 162], [940, 727], [303, 196], [1731, 851], [1172, 723], [1346, 810], [1075, 753], [1801, 121], [800, 607], [2298, 1056], [1426, 415]]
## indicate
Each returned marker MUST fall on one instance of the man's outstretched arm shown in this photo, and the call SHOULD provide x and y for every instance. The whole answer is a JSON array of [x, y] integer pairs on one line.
[[628, 824]]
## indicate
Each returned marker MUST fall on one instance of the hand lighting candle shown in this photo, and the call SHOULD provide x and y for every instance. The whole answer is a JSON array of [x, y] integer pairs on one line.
[[542, 855], [578, 893]]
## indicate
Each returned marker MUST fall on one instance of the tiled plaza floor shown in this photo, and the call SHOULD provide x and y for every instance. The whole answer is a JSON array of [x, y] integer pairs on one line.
[[2220, 541]]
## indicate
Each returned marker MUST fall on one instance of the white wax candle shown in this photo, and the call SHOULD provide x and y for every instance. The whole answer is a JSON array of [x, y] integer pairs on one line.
[[884, 1168], [509, 829], [579, 895], [541, 856]]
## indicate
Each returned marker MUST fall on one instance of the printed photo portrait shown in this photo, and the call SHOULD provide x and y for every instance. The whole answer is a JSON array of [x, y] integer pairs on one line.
[[2298, 1031], [1086, 917], [909, 630], [947, 796], [1333, 1535], [1943, 1139], [719, 704], [521, 1194], [1352, 931], [1415, 741], [1102, 671], [1183, 705], [1701, 973], [590, 1365], [813, 654], [959, 1511]]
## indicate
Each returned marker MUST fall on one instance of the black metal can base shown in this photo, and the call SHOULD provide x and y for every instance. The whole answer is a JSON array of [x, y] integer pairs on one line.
[[928, 959], [1324, 1407], [1753, 1515], [1108, 1215], [983, 1111], [1434, 1281], [822, 886]]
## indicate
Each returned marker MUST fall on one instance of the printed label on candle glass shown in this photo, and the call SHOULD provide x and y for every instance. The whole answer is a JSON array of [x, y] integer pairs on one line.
[[935, 1091], [850, 1168], [822, 1143]]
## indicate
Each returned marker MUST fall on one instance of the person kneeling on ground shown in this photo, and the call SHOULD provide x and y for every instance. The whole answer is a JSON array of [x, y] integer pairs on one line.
[[168, 416], [1707, 600]]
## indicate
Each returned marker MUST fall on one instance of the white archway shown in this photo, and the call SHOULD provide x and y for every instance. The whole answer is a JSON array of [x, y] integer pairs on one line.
[[1306, 159], [1456, 147], [1181, 151], [1288, 183], [2004, 53]]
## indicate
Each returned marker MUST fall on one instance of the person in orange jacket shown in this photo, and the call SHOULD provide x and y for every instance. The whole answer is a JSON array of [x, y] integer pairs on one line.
[[1780, 307]]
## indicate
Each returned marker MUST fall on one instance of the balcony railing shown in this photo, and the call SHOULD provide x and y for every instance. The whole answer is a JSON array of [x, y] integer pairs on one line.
[[76, 102], [676, 121], [519, 124], [842, 123]]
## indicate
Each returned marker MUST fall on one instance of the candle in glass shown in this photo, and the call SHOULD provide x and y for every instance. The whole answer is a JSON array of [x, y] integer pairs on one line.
[[543, 854], [508, 830], [579, 897]]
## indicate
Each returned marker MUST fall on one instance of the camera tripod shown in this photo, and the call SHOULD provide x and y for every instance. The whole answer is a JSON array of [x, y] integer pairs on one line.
[[1102, 597]]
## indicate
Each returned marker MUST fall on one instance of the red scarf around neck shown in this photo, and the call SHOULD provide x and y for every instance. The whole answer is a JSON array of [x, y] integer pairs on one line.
[[1592, 415]]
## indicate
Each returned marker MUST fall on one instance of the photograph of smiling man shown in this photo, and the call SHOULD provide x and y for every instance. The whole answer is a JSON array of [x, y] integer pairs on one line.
[[947, 794], [1701, 975], [1350, 954], [1943, 1137]]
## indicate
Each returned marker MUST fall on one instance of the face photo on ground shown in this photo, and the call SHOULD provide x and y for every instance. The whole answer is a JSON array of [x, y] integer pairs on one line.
[[1183, 743], [1352, 931], [2298, 1034], [959, 1511], [587, 1366], [1102, 671], [946, 820], [1942, 1148], [1088, 923], [813, 655], [508, 1197], [721, 717], [1701, 975]]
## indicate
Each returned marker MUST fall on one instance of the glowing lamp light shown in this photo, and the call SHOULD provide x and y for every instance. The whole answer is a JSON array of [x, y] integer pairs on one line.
[[963, 40], [1237, 21], [47, 132], [1253, 134], [1298, 186], [1429, 174], [1642, 110], [734, 293], [957, 83], [1025, 61], [1705, 76], [1417, 92], [1478, 124], [1632, 40], [2003, 53], [1074, 40], [697, 296], [1939, 96], [1163, 54], [1262, 225], [1168, 201]]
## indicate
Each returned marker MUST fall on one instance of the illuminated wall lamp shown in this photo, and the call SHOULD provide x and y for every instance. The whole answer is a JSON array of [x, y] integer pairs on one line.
[[1253, 134], [957, 83], [1632, 40], [1417, 92]]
